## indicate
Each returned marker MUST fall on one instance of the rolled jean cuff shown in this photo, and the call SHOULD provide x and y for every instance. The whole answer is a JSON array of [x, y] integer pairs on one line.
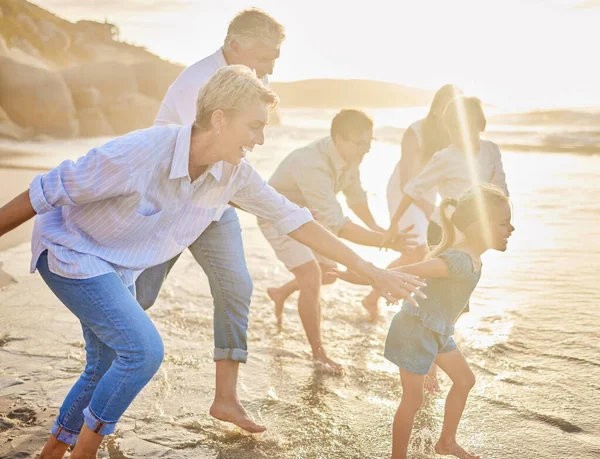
[[237, 355], [97, 425], [64, 435]]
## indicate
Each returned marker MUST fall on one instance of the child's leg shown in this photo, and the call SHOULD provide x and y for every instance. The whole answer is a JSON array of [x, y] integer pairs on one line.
[[412, 399], [456, 367]]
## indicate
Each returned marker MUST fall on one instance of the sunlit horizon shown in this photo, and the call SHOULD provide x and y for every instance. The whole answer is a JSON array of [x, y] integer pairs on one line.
[[513, 54]]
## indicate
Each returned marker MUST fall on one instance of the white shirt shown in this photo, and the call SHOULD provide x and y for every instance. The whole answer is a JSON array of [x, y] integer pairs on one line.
[[179, 104], [449, 172], [130, 204], [312, 177]]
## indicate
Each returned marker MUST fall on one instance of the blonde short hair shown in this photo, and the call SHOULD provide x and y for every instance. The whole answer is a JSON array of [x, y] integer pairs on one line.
[[231, 89], [253, 24]]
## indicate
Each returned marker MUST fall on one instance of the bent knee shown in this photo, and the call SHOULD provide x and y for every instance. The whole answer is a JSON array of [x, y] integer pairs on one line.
[[308, 275], [244, 285], [149, 354], [466, 382], [413, 401], [328, 279]]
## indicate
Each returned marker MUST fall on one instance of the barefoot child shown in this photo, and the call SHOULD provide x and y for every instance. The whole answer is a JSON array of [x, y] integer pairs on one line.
[[420, 336], [468, 161]]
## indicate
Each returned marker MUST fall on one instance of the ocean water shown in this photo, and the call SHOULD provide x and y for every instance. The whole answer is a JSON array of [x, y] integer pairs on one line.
[[532, 336]]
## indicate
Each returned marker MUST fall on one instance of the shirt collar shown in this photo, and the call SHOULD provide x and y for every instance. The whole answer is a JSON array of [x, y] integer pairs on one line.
[[220, 58], [181, 157], [336, 159]]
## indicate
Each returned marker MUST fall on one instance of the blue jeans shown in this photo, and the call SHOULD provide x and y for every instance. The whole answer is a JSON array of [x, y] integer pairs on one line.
[[220, 252], [123, 351]]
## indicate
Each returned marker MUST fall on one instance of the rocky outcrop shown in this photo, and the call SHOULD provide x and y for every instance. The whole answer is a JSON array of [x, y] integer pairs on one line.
[[86, 98], [112, 79], [37, 98], [131, 112], [10, 130], [53, 38], [93, 123], [154, 77]]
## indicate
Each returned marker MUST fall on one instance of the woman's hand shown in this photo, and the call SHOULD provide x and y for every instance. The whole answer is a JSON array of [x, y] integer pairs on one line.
[[392, 285], [400, 240]]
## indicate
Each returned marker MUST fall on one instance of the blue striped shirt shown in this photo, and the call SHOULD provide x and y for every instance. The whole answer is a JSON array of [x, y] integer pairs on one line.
[[130, 204]]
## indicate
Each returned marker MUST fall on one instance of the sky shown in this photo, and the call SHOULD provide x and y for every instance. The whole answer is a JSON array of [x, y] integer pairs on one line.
[[511, 53]]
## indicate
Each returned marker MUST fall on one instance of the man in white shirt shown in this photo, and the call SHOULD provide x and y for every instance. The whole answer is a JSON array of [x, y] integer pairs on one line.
[[312, 177], [253, 39]]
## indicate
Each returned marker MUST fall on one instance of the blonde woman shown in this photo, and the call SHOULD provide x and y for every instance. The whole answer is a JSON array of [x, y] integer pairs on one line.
[[138, 201]]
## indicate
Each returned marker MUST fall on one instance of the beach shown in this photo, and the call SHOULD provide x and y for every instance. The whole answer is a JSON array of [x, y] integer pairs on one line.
[[531, 336]]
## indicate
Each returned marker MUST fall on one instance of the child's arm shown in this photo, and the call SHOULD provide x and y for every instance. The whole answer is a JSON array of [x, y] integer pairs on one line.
[[426, 269]]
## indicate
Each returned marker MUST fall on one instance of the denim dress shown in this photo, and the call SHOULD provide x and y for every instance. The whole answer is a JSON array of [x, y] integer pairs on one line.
[[418, 334]]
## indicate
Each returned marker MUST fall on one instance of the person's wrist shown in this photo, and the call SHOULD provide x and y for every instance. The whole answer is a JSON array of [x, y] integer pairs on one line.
[[366, 269]]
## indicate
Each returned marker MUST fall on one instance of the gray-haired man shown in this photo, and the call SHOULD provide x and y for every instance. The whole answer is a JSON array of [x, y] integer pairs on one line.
[[253, 39]]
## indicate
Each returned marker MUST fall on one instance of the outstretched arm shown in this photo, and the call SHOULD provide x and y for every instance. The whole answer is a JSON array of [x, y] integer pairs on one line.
[[319, 239], [15, 213], [362, 211], [425, 270]]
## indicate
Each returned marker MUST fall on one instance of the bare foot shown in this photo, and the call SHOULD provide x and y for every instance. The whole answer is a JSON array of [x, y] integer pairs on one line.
[[431, 382], [451, 448], [369, 302], [234, 412], [279, 300], [326, 364]]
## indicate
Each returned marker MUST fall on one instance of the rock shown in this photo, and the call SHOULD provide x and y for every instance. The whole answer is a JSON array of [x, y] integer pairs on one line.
[[97, 31], [93, 123], [28, 24], [86, 98], [10, 130], [112, 79], [54, 38], [131, 112], [37, 98], [154, 77], [3, 47], [24, 45]]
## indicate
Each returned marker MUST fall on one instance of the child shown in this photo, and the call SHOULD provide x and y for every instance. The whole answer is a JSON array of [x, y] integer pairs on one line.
[[468, 161], [420, 336]]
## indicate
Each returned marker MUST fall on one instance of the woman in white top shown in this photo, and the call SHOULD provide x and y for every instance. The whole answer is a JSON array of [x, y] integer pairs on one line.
[[468, 161], [420, 141]]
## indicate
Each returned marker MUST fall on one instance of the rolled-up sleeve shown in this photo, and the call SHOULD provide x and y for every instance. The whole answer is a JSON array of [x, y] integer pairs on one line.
[[259, 198], [99, 175], [431, 177], [354, 192]]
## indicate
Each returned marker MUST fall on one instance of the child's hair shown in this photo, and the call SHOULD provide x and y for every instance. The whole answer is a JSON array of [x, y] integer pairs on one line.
[[472, 206], [463, 116]]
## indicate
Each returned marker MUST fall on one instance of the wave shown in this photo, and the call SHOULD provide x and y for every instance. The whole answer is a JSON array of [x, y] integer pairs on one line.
[[578, 117], [531, 415]]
